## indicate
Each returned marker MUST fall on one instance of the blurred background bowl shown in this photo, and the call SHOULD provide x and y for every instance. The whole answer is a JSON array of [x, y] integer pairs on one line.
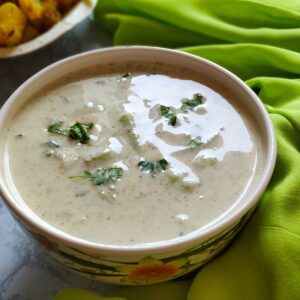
[[77, 14]]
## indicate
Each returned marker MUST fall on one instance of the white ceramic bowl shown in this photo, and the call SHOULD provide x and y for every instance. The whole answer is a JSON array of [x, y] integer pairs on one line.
[[153, 262], [77, 14]]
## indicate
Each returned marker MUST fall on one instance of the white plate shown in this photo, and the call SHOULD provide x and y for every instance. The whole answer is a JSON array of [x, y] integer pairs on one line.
[[72, 18]]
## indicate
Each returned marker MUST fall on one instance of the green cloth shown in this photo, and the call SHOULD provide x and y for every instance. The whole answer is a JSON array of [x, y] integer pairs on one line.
[[79, 294], [175, 290], [258, 40]]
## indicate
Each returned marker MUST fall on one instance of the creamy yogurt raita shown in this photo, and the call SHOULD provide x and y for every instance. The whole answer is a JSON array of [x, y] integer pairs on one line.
[[127, 158]]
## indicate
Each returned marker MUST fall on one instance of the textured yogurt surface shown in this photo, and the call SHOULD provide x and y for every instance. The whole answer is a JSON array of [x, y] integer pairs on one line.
[[211, 154]]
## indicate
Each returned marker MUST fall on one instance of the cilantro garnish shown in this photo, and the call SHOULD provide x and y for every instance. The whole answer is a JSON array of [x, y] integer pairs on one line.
[[166, 112], [126, 75], [53, 144], [191, 104], [57, 128], [77, 132], [153, 167], [192, 144], [101, 175], [20, 135]]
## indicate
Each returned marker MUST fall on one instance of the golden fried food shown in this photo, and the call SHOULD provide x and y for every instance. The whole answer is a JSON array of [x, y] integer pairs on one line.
[[29, 33], [12, 24], [33, 9], [23, 20], [5, 1], [42, 14], [65, 5], [51, 14]]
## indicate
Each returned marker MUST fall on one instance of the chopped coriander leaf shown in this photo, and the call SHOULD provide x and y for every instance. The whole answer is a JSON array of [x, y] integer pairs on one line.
[[146, 166], [66, 99], [57, 128], [192, 144], [20, 135], [161, 165], [153, 167], [81, 194], [191, 104], [166, 112], [77, 132], [101, 175], [173, 120], [126, 75], [52, 144]]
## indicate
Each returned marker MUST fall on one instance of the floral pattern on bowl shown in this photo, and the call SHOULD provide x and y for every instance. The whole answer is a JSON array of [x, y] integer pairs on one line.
[[147, 270], [141, 264]]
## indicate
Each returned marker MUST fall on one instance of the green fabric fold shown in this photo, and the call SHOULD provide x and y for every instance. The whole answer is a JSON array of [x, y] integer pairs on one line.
[[252, 60], [260, 42], [264, 261], [269, 22]]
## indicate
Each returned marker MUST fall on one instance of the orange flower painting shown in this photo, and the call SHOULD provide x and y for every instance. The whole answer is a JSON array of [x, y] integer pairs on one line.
[[151, 270]]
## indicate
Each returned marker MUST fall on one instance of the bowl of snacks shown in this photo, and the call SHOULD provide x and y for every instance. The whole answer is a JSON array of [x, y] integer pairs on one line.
[[134, 165], [28, 25]]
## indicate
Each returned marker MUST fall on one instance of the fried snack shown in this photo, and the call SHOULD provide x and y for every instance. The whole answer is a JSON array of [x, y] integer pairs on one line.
[[33, 9], [23, 20], [51, 14], [12, 24], [66, 5], [42, 14], [5, 1], [29, 33]]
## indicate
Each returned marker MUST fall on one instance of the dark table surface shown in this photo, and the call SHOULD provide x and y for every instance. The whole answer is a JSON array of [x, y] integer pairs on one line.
[[27, 273]]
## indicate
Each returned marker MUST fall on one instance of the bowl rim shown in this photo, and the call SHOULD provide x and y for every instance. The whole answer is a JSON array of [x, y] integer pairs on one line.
[[186, 241]]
